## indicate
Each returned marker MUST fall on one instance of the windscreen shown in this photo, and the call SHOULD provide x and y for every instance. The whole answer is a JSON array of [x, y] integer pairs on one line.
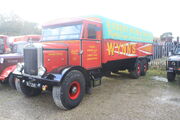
[[70, 32], [18, 48], [177, 51]]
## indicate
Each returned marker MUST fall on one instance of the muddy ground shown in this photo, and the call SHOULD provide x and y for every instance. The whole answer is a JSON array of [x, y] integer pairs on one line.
[[118, 98]]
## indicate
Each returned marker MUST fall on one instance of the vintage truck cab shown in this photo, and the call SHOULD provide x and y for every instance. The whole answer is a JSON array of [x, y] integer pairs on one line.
[[4, 47], [173, 64]]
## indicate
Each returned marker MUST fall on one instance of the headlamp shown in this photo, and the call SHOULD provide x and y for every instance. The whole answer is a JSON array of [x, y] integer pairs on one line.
[[41, 71], [19, 67]]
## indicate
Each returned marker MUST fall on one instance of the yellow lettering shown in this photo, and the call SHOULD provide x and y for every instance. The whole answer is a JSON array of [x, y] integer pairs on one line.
[[124, 49], [110, 47], [128, 49], [118, 47], [133, 49]]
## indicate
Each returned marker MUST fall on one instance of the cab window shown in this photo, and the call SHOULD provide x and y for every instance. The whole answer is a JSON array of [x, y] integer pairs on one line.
[[92, 31], [68, 32]]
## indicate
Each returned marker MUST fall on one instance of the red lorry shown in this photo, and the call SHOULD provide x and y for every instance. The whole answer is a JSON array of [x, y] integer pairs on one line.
[[75, 53], [4, 47]]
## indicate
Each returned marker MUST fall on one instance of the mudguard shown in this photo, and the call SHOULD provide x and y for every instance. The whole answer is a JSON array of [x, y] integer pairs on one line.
[[6, 72], [61, 72], [65, 70]]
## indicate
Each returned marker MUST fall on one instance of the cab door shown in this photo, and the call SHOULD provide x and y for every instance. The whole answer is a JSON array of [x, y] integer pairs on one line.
[[91, 46]]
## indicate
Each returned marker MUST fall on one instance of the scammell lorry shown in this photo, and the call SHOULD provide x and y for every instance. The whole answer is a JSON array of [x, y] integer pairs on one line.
[[75, 53]]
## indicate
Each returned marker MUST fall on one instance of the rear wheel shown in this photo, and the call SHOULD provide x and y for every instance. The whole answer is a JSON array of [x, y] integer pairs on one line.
[[136, 71], [144, 67], [71, 92], [27, 91], [171, 76]]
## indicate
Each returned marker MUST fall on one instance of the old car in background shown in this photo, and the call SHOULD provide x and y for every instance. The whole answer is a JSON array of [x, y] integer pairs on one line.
[[173, 64], [8, 63]]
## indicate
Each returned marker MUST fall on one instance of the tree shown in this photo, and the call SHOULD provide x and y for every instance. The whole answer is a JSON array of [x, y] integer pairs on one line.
[[167, 37], [13, 25]]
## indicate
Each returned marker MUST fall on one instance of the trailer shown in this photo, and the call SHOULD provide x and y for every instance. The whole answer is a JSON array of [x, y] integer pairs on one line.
[[75, 53]]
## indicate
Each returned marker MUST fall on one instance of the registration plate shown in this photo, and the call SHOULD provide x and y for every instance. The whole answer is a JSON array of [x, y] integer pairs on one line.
[[30, 84], [170, 69]]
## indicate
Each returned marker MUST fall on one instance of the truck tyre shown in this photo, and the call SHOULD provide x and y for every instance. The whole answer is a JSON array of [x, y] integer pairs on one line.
[[11, 80], [136, 71], [171, 76], [27, 91], [144, 67], [71, 92]]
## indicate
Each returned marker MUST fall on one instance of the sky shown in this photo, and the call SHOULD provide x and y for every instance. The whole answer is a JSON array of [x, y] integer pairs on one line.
[[156, 16]]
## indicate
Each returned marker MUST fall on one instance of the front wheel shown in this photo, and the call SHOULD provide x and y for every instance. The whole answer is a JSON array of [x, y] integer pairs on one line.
[[71, 92], [11, 80], [27, 91], [171, 76]]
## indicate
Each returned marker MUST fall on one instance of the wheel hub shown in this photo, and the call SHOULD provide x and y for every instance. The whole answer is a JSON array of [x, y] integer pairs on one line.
[[139, 68], [74, 89]]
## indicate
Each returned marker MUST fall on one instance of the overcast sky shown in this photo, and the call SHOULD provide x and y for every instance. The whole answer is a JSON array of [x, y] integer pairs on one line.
[[157, 16]]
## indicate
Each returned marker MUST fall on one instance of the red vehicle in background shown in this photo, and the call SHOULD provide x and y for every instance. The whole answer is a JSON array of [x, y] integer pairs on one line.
[[74, 54], [27, 38], [4, 46], [8, 61]]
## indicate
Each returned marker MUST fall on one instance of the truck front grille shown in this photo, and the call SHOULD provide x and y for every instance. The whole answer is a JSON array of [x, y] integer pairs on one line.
[[30, 61]]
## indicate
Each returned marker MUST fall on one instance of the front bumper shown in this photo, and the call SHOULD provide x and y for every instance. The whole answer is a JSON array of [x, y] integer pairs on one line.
[[173, 69], [36, 81]]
